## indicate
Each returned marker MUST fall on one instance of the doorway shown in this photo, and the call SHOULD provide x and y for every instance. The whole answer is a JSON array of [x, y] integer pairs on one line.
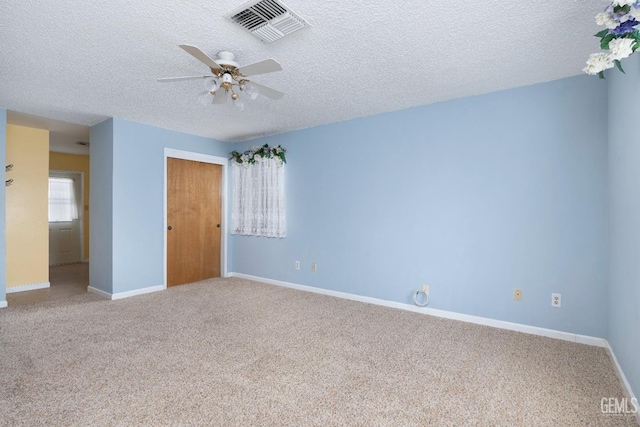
[[68, 274], [66, 219], [195, 209]]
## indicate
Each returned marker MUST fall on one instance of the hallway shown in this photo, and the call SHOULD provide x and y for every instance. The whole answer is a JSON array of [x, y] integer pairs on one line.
[[66, 280]]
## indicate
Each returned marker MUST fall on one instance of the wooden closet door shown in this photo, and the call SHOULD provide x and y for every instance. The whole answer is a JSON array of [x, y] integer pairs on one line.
[[193, 221]]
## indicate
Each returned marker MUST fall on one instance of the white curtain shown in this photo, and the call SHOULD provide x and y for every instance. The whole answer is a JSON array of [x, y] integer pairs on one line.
[[62, 200], [258, 203]]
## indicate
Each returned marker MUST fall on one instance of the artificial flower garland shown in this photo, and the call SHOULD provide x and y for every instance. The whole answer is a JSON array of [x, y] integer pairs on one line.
[[621, 36], [258, 154]]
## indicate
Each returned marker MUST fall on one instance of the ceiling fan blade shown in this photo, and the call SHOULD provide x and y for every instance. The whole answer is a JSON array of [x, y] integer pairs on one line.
[[221, 97], [177, 79], [267, 91], [262, 67], [200, 56]]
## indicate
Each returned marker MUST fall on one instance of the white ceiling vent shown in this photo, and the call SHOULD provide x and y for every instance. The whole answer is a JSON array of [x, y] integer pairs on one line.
[[269, 20]]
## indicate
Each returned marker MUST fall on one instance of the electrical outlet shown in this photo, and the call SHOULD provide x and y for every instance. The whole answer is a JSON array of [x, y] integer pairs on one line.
[[314, 267], [297, 265], [517, 294], [556, 300]]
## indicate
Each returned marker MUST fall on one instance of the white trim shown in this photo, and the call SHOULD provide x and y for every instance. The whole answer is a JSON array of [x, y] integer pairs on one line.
[[99, 292], [592, 341], [32, 287], [205, 158], [3, 304], [623, 379], [121, 295], [501, 324]]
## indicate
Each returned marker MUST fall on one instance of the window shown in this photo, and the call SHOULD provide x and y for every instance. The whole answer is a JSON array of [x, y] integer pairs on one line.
[[258, 202], [62, 200]]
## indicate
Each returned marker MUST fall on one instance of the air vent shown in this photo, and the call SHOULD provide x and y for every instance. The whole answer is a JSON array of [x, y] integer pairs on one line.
[[269, 20]]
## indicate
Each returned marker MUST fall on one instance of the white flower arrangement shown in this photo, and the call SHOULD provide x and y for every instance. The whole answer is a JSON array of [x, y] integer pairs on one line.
[[621, 48], [259, 154], [621, 37]]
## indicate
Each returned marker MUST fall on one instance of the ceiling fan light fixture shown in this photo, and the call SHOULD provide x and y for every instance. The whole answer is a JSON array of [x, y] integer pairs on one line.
[[211, 84], [247, 88], [227, 81], [227, 75]]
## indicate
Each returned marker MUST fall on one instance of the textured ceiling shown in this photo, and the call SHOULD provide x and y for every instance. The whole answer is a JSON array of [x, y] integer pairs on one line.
[[62, 135], [84, 61]]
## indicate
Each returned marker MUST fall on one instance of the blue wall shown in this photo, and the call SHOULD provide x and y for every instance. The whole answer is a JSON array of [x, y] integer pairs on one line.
[[138, 182], [624, 218], [3, 211], [101, 206], [475, 197]]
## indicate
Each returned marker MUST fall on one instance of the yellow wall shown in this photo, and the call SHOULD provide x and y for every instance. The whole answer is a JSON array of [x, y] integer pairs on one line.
[[76, 163], [27, 206]]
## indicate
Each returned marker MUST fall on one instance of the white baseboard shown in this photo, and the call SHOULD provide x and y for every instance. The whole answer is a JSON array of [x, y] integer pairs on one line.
[[99, 292], [3, 304], [121, 295], [623, 378], [501, 324], [534, 330], [32, 287]]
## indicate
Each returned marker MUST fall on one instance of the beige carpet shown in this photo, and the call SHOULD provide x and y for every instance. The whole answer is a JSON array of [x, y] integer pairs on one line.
[[66, 280], [231, 352]]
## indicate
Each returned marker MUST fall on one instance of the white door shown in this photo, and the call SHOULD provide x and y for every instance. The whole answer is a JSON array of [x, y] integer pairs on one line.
[[65, 221]]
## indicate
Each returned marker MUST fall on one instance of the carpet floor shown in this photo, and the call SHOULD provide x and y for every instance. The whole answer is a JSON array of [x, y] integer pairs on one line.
[[229, 352]]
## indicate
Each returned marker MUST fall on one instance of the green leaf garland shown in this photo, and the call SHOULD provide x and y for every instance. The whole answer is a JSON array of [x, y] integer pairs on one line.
[[257, 154]]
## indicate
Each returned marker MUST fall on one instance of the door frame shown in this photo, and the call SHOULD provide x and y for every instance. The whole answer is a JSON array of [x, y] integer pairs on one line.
[[205, 158], [80, 208]]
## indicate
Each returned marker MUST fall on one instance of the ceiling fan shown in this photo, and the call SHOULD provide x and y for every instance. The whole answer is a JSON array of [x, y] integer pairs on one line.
[[227, 76]]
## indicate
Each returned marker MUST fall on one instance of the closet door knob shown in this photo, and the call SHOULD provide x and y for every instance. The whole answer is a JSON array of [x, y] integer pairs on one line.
[[169, 228], [218, 225]]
